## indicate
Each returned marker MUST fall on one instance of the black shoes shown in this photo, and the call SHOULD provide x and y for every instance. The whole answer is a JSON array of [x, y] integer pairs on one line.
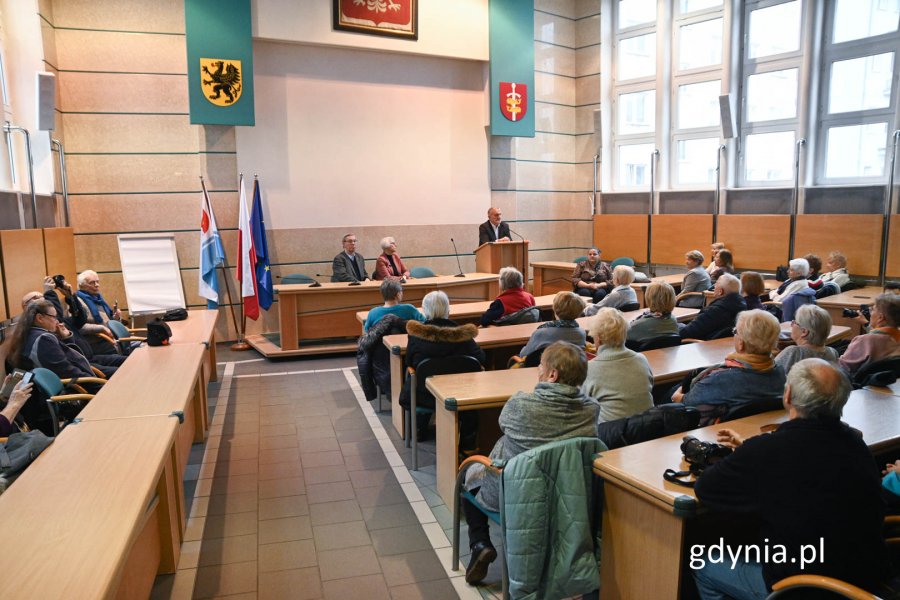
[[483, 554]]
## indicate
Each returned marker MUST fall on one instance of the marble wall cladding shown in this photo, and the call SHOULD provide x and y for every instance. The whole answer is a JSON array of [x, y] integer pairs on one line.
[[546, 176], [537, 206], [131, 133], [166, 16], [554, 88], [587, 31], [123, 93], [119, 173], [554, 118], [587, 89], [584, 118], [112, 51], [149, 212], [556, 234], [563, 8], [554, 59], [587, 60], [586, 8], [507, 202], [554, 29], [548, 147]]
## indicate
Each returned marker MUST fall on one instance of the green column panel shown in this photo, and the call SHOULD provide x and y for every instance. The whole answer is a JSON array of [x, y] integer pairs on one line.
[[512, 67]]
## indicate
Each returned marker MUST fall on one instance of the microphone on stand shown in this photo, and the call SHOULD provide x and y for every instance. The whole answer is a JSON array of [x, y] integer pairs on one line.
[[524, 274], [458, 264]]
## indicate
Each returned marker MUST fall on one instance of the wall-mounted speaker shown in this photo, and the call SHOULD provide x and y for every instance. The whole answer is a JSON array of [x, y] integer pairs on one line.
[[46, 101], [727, 118]]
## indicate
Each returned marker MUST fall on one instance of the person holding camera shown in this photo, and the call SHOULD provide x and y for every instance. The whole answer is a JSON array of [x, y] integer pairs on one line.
[[12, 405], [776, 480], [883, 339]]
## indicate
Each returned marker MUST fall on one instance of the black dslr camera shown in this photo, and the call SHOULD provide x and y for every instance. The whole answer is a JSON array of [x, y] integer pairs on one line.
[[863, 310], [700, 455], [59, 280]]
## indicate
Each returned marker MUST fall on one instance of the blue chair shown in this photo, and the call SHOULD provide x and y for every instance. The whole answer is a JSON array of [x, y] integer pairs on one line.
[[125, 341], [297, 278], [420, 272], [622, 260], [52, 386], [579, 259], [516, 476]]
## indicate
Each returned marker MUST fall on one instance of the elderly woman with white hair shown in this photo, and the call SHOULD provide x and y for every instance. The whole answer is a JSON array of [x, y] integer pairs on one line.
[[619, 379], [798, 270], [512, 298], [809, 330], [621, 295], [696, 280], [98, 312], [748, 375], [389, 265]]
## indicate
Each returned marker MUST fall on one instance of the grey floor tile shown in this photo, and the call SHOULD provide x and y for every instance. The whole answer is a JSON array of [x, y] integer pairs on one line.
[[372, 478], [284, 530], [348, 562], [380, 495], [330, 492], [284, 506], [361, 462], [323, 459], [223, 551], [315, 475], [322, 444], [290, 486], [298, 584], [281, 556], [341, 535], [370, 587], [400, 569], [335, 512], [389, 516], [398, 540], [354, 435], [440, 589]]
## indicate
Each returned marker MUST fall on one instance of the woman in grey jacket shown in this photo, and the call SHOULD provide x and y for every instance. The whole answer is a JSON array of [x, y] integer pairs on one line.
[[621, 295], [696, 280]]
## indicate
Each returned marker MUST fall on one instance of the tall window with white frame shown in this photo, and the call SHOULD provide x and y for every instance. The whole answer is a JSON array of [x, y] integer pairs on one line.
[[858, 96], [697, 73], [634, 91], [772, 60]]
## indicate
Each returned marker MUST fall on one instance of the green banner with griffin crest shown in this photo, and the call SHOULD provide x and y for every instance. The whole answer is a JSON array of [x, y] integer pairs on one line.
[[219, 61]]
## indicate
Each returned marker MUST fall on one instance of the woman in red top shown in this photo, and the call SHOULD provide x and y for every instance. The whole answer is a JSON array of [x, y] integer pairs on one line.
[[389, 265], [512, 298]]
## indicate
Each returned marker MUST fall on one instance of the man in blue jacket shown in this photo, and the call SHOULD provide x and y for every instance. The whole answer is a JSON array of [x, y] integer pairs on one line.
[[721, 314]]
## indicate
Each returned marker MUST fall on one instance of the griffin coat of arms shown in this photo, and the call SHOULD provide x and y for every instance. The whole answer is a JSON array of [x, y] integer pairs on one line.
[[224, 80]]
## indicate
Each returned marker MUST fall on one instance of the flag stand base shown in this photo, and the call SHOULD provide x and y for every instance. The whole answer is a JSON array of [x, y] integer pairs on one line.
[[240, 346]]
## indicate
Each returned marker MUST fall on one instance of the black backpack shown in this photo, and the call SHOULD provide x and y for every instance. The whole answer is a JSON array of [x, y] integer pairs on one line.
[[158, 333]]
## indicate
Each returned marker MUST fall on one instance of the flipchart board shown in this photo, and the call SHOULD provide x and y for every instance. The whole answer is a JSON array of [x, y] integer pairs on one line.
[[151, 272]]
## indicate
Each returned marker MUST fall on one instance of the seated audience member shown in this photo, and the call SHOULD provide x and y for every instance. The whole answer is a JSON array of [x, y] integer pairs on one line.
[[768, 479], [836, 263], [494, 229], [97, 312], [748, 374], [512, 298], [619, 379], [892, 287], [809, 330], [696, 280], [349, 265], [657, 320], [721, 313], [566, 307], [798, 269], [392, 292], [592, 278], [713, 251], [373, 359], [724, 264], [555, 410], [883, 339], [752, 287], [621, 295], [815, 267], [891, 480], [12, 405], [437, 337], [389, 264]]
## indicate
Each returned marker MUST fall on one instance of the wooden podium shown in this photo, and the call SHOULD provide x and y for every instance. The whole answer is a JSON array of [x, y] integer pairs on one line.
[[493, 256]]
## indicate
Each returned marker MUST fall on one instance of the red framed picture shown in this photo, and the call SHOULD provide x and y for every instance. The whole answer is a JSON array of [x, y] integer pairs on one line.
[[392, 18]]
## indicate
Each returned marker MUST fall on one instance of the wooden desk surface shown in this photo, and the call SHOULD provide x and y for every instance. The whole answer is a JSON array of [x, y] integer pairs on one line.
[[553, 264], [851, 299], [153, 381], [199, 327], [640, 467], [468, 310], [426, 282], [512, 335], [77, 511]]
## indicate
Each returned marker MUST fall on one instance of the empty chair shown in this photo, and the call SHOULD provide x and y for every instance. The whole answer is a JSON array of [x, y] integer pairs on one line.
[[297, 278], [622, 260], [420, 272]]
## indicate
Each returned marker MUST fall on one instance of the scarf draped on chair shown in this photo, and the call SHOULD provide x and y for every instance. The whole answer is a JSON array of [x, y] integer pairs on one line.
[[93, 302]]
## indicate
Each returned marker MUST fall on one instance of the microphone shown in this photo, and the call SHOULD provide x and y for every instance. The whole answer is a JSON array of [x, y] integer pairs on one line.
[[524, 274], [458, 264]]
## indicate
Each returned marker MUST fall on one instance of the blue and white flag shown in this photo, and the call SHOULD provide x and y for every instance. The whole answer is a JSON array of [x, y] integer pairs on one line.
[[212, 253]]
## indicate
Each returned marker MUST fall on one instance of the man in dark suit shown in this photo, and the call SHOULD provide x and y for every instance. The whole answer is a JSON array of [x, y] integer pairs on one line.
[[494, 229], [349, 265]]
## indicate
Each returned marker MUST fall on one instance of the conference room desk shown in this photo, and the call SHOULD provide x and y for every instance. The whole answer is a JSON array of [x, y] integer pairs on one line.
[[491, 390], [470, 312], [94, 516], [327, 313], [639, 288], [551, 276], [488, 338], [644, 515], [836, 304], [199, 327]]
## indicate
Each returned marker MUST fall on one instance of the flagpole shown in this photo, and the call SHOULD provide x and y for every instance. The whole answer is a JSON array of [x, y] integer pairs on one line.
[[224, 265], [241, 345]]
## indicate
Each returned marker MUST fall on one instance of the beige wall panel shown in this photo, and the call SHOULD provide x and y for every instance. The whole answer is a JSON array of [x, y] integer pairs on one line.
[[125, 15], [217, 138], [857, 236], [128, 93], [48, 39], [144, 173], [545, 146], [584, 120], [756, 241], [23, 265], [507, 202], [555, 30], [556, 234], [45, 9], [131, 133], [587, 60], [554, 59], [556, 7], [586, 8], [587, 31], [553, 205], [120, 52], [552, 176], [586, 147], [221, 173], [553, 88], [145, 212], [587, 89], [556, 255], [550, 117], [673, 235]]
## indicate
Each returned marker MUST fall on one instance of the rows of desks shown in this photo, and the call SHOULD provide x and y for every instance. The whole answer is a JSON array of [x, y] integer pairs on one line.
[[102, 511], [470, 312], [644, 515]]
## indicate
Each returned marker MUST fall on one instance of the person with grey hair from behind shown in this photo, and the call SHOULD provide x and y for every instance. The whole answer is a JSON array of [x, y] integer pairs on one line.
[[809, 331], [513, 296], [812, 483]]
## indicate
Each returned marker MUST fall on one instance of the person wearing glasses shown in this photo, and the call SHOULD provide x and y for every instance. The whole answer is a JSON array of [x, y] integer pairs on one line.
[[349, 266], [809, 330]]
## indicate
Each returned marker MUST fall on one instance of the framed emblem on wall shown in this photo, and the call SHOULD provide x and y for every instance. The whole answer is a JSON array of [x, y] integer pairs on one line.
[[392, 18]]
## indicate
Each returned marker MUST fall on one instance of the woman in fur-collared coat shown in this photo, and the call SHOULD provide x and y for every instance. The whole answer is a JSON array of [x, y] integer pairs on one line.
[[437, 337]]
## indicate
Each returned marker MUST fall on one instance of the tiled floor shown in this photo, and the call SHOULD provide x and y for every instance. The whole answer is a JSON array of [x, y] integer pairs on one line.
[[301, 492]]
